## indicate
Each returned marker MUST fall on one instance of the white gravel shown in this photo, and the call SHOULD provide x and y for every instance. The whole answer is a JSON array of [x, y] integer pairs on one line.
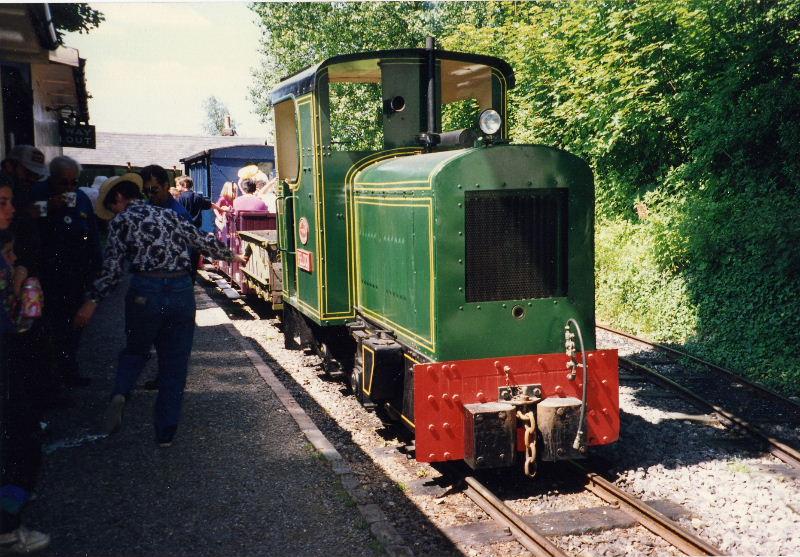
[[744, 502]]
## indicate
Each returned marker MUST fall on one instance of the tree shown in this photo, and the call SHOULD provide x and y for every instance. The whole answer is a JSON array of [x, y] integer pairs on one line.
[[298, 34], [216, 111], [74, 17]]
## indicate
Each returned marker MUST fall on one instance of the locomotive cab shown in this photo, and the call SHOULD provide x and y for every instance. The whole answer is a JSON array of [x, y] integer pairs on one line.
[[456, 272]]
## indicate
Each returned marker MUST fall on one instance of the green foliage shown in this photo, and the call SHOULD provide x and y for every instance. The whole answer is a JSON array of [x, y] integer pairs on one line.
[[633, 293], [460, 114], [299, 34], [215, 111], [356, 116], [687, 111], [74, 17]]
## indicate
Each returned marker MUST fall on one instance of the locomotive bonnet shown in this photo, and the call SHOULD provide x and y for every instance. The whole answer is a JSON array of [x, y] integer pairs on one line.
[[447, 272]]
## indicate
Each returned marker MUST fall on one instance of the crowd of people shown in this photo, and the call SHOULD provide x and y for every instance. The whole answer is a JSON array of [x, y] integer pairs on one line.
[[254, 191], [53, 275]]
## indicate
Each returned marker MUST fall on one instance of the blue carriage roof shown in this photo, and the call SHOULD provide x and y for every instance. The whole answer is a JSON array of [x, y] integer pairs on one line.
[[234, 152], [303, 81]]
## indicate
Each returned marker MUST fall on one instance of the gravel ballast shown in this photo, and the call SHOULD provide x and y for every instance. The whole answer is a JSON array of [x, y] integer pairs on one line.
[[735, 497]]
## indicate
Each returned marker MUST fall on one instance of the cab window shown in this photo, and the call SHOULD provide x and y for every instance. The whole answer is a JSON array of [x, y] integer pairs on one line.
[[355, 105], [286, 140], [466, 92], [356, 117]]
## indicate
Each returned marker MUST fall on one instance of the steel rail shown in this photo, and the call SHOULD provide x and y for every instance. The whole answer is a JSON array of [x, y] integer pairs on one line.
[[730, 374], [779, 449], [533, 540], [646, 515]]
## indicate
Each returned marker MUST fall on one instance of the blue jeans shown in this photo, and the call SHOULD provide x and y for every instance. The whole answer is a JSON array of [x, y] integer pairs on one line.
[[160, 312]]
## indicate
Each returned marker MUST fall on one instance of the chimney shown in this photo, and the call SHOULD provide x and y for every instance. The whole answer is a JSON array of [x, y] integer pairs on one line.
[[227, 129]]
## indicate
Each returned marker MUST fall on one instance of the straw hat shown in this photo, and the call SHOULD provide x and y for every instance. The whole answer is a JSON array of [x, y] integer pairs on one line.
[[100, 209], [247, 171]]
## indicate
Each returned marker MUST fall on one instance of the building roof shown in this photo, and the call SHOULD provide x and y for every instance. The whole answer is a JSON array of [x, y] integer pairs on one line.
[[253, 152], [119, 149]]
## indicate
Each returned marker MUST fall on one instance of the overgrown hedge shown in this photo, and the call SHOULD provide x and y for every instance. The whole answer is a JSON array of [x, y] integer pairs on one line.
[[688, 112]]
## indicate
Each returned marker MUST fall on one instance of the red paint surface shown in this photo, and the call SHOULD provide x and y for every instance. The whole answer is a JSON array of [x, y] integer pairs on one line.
[[441, 389]]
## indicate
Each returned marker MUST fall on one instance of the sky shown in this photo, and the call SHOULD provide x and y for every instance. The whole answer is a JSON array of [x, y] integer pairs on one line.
[[149, 66]]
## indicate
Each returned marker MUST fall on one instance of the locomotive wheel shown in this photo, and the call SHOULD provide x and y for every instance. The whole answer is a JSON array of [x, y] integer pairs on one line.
[[354, 377], [287, 323], [329, 364], [355, 381]]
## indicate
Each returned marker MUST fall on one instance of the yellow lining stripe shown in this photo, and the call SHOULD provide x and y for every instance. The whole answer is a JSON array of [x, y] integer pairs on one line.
[[364, 369], [350, 208], [409, 358], [428, 182], [427, 203], [298, 101], [317, 196], [325, 314]]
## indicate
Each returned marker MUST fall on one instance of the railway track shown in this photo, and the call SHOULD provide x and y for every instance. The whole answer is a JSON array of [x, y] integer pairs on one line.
[[530, 538], [540, 545], [646, 515], [574, 541], [739, 403]]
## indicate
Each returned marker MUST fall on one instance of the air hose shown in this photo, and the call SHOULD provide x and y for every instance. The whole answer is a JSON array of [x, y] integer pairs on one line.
[[579, 436]]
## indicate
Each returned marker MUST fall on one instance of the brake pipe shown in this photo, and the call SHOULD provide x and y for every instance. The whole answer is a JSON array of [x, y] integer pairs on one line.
[[585, 396]]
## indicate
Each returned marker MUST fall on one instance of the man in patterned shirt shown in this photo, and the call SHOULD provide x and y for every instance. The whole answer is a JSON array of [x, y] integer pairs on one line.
[[160, 305]]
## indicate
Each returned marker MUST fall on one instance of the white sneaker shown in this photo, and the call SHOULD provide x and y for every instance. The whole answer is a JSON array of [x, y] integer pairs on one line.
[[23, 541], [114, 414]]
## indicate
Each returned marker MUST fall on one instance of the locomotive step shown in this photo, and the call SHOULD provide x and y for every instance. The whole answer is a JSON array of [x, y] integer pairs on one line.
[[231, 293]]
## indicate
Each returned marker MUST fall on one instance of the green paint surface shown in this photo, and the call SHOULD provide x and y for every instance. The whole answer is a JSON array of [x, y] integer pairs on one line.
[[477, 329]]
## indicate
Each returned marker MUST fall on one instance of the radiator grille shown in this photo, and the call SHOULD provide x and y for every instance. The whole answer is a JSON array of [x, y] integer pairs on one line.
[[516, 244]]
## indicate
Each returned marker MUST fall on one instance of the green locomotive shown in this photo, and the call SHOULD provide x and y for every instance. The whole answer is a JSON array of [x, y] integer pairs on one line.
[[447, 273]]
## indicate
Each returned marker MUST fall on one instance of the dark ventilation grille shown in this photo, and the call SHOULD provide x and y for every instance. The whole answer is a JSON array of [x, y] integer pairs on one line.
[[516, 244]]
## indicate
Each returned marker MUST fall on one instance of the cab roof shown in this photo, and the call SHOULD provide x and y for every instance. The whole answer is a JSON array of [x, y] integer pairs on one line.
[[303, 81]]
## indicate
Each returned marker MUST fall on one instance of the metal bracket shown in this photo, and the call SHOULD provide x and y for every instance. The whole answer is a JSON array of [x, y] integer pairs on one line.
[[520, 394]]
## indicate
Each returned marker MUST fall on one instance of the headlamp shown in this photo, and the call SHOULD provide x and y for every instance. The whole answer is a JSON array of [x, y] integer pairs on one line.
[[490, 121]]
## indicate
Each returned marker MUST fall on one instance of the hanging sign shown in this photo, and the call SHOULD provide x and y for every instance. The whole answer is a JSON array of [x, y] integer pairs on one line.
[[81, 136]]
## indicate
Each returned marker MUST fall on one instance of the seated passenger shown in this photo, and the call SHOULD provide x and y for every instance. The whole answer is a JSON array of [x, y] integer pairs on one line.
[[225, 203], [265, 189], [226, 197], [248, 201]]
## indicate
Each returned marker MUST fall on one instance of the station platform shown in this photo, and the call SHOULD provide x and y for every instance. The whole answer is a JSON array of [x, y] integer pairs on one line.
[[241, 478]]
